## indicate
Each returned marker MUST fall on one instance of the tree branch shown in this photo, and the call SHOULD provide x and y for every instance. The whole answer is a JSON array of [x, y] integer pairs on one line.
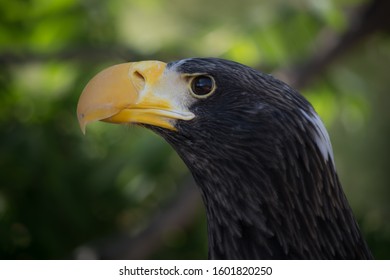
[[365, 21], [78, 54], [180, 214]]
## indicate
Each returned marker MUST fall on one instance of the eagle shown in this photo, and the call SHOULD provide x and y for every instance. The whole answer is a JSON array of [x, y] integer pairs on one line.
[[256, 148]]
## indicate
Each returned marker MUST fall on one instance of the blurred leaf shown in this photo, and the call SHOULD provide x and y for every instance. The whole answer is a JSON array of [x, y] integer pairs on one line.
[[60, 189]]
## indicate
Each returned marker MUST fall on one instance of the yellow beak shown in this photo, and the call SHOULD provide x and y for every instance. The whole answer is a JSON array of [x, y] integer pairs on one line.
[[124, 93]]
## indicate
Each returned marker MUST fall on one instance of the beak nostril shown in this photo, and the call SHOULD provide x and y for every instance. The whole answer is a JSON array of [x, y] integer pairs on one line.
[[138, 80]]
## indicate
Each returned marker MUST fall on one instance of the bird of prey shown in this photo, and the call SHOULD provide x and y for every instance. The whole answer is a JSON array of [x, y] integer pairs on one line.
[[256, 148]]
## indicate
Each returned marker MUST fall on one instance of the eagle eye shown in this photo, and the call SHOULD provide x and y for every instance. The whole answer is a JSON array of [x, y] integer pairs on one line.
[[202, 86]]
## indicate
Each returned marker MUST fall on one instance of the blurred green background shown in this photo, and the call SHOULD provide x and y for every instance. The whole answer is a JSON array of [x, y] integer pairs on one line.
[[121, 192]]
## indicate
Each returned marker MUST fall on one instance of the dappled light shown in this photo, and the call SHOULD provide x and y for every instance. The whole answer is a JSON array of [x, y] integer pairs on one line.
[[61, 191]]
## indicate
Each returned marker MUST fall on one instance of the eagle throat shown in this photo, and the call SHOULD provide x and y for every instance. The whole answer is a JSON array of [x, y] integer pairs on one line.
[[269, 195]]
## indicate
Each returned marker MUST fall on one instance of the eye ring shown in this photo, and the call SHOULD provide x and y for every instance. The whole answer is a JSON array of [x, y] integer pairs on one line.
[[202, 86]]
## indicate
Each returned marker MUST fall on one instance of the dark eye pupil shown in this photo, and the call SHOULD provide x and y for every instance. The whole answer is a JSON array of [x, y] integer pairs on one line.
[[202, 85]]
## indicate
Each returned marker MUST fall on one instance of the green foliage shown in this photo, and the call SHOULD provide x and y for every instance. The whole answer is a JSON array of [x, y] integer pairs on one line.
[[60, 189]]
